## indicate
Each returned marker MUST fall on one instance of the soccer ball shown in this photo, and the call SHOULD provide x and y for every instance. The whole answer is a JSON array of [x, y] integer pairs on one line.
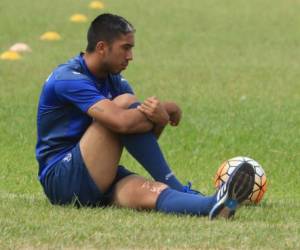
[[260, 182]]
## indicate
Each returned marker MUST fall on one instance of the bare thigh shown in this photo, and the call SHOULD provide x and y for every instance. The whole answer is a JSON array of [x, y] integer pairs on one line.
[[101, 149], [101, 152], [137, 192]]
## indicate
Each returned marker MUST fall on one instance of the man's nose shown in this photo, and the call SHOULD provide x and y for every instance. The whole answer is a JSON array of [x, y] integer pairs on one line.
[[129, 55]]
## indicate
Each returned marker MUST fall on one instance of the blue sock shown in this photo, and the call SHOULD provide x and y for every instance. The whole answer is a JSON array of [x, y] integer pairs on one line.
[[145, 149], [172, 201]]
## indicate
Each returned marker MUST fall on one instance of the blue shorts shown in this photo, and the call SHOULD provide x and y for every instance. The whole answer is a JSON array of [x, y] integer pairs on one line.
[[68, 182]]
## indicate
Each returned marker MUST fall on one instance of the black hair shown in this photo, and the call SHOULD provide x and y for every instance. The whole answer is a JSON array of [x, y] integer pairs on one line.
[[107, 27]]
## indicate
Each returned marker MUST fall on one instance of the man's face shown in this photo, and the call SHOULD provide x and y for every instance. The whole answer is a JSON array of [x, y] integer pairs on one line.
[[118, 54]]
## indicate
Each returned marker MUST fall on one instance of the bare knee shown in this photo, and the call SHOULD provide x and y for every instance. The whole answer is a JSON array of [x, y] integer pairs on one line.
[[125, 100], [153, 187], [138, 192]]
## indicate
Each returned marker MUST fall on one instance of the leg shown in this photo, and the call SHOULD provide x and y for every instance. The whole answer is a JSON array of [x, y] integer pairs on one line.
[[145, 149], [137, 192], [101, 152], [101, 149]]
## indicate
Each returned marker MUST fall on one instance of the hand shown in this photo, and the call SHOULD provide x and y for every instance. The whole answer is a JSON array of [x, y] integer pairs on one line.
[[174, 112], [155, 111]]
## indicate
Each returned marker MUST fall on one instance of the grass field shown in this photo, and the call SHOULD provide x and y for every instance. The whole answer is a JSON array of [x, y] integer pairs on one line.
[[233, 67]]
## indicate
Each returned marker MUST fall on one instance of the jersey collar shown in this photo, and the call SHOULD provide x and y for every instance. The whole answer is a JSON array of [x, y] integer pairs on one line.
[[87, 71]]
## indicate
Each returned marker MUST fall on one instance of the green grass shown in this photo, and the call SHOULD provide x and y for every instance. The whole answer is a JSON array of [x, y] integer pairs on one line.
[[233, 66]]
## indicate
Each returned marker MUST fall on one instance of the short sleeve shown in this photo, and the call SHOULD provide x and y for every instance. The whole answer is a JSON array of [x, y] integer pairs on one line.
[[82, 93]]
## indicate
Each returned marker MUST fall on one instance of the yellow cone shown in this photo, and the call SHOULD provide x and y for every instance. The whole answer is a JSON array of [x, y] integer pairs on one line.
[[78, 18], [50, 36], [97, 5], [10, 55]]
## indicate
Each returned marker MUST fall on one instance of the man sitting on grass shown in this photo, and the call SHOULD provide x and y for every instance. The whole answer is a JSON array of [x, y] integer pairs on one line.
[[88, 113]]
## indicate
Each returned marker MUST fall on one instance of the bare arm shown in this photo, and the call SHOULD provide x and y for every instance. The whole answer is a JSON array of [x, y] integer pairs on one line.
[[157, 130], [156, 113], [124, 121], [174, 113], [160, 113]]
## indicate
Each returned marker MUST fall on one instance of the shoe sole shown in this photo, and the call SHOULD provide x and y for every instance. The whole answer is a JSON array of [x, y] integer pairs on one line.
[[240, 186]]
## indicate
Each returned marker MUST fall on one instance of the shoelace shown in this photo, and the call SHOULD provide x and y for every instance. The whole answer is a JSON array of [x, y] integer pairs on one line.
[[189, 190]]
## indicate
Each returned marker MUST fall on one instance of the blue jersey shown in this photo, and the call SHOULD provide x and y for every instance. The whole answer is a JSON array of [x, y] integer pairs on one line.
[[62, 117]]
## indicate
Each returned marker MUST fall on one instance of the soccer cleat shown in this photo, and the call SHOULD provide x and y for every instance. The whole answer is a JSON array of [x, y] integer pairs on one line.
[[234, 191], [187, 189]]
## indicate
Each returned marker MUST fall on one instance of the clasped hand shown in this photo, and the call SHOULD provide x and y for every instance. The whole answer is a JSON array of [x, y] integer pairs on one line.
[[160, 113]]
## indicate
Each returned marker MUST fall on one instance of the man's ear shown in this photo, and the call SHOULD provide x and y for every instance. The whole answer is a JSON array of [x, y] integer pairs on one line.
[[100, 47]]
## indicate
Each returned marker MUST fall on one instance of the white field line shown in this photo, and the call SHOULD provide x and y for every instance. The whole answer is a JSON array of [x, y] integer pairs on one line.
[[13, 196]]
